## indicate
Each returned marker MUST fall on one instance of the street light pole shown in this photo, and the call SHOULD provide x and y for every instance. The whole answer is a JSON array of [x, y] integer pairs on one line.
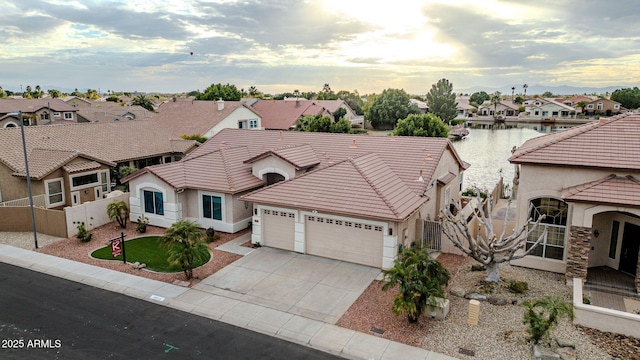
[[26, 167]]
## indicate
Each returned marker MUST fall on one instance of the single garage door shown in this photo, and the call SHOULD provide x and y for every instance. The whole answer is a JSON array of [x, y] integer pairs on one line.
[[278, 229], [349, 241]]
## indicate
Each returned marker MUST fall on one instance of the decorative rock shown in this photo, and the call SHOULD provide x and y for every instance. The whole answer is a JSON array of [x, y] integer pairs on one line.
[[475, 296], [136, 265], [456, 291], [439, 312], [142, 266], [567, 353], [494, 300], [562, 342], [541, 353]]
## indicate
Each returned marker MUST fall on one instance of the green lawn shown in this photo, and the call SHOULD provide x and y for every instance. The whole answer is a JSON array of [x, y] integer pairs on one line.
[[145, 250]]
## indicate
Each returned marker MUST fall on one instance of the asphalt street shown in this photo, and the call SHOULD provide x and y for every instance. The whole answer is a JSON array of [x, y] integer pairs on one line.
[[45, 317]]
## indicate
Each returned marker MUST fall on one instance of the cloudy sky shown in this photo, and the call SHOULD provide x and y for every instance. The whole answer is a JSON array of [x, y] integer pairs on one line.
[[283, 45]]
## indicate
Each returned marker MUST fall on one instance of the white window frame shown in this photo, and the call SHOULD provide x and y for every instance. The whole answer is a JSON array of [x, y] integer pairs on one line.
[[68, 116], [91, 185], [56, 114], [590, 106], [75, 198], [48, 195], [223, 206], [243, 124], [253, 123]]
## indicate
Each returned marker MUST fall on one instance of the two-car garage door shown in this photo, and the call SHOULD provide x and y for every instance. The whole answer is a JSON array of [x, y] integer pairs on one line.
[[349, 241]]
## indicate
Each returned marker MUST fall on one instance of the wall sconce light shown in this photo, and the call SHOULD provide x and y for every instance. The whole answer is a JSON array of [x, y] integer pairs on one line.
[[596, 233]]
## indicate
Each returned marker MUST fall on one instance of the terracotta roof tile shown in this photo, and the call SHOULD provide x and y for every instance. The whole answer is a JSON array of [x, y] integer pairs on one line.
[[194, 117], [83, 166], [33, 105], [612, 143], [110, 141], [300, 156], [612, 189], [43, 161], [364, 186], [283, 115]]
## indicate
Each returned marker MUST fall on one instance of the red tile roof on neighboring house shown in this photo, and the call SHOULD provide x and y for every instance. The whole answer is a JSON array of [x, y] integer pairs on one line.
[[33, 105], [108, 141], [611, 143], [283, 115], [612, 189], [363, 186], [300, 156], [44, 161], [194, 117]]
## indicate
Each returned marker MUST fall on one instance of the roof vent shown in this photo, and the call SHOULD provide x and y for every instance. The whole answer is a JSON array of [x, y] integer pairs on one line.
[[420, 178], [221, 143], [280, 137], [353, 144]]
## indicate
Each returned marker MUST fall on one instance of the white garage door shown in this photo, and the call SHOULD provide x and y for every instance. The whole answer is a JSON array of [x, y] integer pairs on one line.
[[344, 240], [278, 229]]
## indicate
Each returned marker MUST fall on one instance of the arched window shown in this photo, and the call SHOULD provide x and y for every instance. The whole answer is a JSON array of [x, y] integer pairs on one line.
[[555, 211]]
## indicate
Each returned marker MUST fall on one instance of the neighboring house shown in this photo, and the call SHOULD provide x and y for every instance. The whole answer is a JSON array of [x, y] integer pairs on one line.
[[284, 115], [205, 118], [574, 100], [77, 102], [503, 108], [603, 106], [465, 110], [332, 106], [424, 108], [80, 160], [547, 109], [36, 112], [100, 113], [586, 180], [350, 197]]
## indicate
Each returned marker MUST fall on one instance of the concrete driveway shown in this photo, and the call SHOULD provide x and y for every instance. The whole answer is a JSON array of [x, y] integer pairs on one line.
[[316, 288]]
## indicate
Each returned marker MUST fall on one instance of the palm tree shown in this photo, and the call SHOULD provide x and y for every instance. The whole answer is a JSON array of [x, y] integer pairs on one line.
[[495, 100], [119, 211], [513, 91], [525, 86], [144, 101], [183, 241], [421, 280]]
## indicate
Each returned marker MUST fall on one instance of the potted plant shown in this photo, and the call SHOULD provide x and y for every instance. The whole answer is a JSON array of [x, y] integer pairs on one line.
[[143, 221]]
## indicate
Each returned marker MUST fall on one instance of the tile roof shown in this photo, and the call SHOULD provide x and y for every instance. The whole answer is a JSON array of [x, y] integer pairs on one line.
[[300, 156], [612, 143], [44, 161], [283, 115], [33, 105], [114, 113], [221, 170], [612, 189], [363, 186], [375, 177], [194, 117], [110, 141], [82, 166]]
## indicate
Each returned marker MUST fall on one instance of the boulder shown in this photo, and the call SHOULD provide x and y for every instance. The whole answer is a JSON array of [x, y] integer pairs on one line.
[[567, 353], [543, 353], [475, 296], [494, 300], [563, 342], [136, 265], [438, 312], [457, 291]]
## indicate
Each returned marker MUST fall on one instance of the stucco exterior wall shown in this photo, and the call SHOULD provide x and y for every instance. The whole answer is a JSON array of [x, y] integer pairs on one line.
[[172, 208], [231, 121], [272, 164]]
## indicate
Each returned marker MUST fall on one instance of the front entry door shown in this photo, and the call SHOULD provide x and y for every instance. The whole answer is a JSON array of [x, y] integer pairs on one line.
[[630, 248]]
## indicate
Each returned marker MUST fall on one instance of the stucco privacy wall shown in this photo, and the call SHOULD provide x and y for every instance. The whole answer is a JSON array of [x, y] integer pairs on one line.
[[92, 213], [390, 242]]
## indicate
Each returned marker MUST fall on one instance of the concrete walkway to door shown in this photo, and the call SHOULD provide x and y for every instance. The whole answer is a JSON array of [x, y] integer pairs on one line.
[[316, 288]]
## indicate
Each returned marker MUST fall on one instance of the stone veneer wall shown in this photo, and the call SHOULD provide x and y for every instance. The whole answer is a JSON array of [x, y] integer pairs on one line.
[[578, 252]]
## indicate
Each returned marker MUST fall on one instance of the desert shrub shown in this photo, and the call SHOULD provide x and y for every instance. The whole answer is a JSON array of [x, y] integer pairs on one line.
[[83, 234], [518, 287]]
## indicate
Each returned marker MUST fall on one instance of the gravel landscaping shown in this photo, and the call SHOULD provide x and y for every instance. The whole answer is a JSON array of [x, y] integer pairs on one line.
[[73, 249], [499, 334]]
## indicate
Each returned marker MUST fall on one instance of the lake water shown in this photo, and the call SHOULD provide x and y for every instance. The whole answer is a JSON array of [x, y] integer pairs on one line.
[[487, 150]]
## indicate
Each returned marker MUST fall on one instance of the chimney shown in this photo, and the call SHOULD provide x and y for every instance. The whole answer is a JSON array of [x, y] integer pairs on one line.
[[220, 103]]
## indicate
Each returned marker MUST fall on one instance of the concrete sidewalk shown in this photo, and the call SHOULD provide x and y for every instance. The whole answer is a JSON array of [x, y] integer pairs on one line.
[[281, 324]]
